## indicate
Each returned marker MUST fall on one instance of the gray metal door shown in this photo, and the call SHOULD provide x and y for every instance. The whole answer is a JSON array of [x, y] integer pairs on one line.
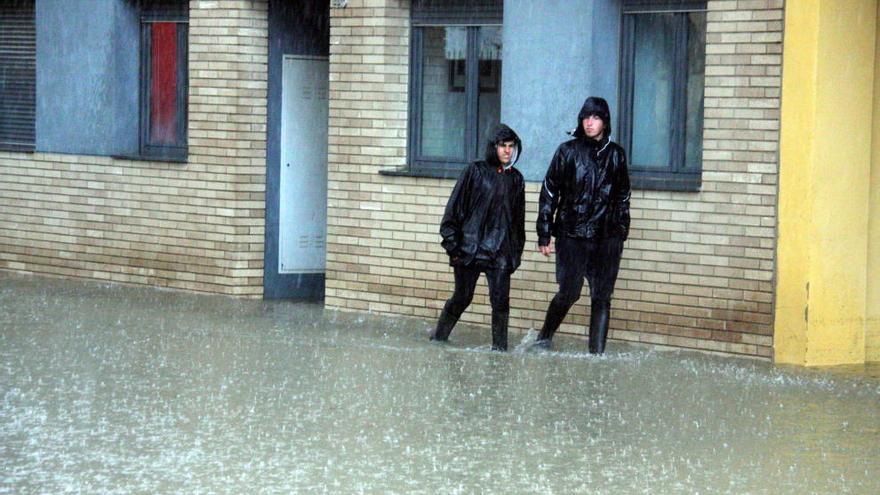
[[303, 184]]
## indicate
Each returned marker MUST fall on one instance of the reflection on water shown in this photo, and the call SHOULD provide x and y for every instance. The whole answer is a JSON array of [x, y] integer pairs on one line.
[[110, 389]]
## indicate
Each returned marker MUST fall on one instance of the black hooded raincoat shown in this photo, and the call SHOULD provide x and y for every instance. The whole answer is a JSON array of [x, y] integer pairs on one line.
[[586, 191], [484, 222]]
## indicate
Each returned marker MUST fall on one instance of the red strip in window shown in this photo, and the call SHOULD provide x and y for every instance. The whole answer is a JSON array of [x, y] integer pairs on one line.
[[163, 92]]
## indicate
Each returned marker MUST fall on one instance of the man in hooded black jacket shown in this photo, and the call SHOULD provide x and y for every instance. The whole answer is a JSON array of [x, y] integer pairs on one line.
[[584, 203], [483, 231]]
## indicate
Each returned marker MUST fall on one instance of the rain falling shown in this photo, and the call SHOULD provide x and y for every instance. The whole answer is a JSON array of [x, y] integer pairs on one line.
[[114, 389]]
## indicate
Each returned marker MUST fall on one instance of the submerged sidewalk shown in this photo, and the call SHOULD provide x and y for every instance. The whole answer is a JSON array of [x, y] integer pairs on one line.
[[113, 389]]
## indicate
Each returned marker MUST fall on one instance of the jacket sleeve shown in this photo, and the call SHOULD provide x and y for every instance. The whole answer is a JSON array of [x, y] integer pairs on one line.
[[549, 198], [623, 194], [521, 217], [456, 209]]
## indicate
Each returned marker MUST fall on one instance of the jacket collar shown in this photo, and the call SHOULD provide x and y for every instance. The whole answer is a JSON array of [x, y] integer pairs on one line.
[[599, 146]]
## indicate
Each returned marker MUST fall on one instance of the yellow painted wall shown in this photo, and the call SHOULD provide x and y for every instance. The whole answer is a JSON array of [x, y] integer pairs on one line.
[[872, 337], [795, 154], [825, 159]]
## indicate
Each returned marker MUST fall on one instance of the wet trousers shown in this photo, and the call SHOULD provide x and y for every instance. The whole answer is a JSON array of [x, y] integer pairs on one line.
[[499, 296], [597, 261]]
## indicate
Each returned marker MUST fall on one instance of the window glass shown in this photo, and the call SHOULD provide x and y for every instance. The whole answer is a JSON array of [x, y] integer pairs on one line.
[[695, 82], [652, 90], [443, 92], [489, 88], [164, 85]]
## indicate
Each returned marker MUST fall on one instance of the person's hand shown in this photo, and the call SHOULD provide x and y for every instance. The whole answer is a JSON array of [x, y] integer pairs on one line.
[[455, 256], [546, 250]]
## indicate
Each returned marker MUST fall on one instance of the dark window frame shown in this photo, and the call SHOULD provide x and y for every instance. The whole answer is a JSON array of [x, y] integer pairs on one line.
[[454, 13], [19, 131], [145, 148], [434, 165], [675, 176]]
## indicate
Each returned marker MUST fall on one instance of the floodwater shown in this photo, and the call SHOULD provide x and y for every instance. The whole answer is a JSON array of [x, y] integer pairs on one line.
[[111, 389]]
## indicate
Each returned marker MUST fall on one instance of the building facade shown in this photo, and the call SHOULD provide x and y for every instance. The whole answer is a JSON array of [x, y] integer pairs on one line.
[[88, 197], [698, 266], [267, 148]]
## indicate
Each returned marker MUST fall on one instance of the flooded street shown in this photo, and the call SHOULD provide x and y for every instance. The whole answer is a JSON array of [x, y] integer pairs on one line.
[[111, 389]]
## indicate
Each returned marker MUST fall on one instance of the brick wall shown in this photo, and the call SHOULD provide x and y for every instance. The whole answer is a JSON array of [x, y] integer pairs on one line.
[[698, 268], [196, 226]]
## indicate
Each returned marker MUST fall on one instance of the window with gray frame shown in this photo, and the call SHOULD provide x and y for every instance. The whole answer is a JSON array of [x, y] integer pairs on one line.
[[663, 54], [164, 78], [18, 75], [455, 82]]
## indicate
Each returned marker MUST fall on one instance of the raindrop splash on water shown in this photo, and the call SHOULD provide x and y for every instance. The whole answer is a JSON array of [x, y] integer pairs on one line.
[[109, 389]]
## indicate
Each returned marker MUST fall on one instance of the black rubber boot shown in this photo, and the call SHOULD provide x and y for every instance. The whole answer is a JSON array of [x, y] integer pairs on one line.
[[499, 330], [445, 324], [600, 312], [555, 315]]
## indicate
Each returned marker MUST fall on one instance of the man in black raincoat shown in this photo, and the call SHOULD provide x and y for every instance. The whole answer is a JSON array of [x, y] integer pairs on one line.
[[584, 203], [483, 231]]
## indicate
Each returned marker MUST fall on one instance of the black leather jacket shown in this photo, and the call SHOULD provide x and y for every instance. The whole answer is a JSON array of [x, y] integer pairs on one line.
[[585, 192], [485, 216]]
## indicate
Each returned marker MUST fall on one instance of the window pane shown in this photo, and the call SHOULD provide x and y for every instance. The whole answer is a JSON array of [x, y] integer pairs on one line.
[[443, 92], [489, 108], [163, 84], [696, 70], [652, 89]]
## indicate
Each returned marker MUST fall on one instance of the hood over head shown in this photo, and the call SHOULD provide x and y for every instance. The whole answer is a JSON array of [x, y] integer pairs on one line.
[[501, 133], [594, 105]]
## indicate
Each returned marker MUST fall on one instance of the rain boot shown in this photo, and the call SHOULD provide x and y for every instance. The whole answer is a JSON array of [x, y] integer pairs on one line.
[[499, 330], [599, 315], [554, 318], [444, 326]]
